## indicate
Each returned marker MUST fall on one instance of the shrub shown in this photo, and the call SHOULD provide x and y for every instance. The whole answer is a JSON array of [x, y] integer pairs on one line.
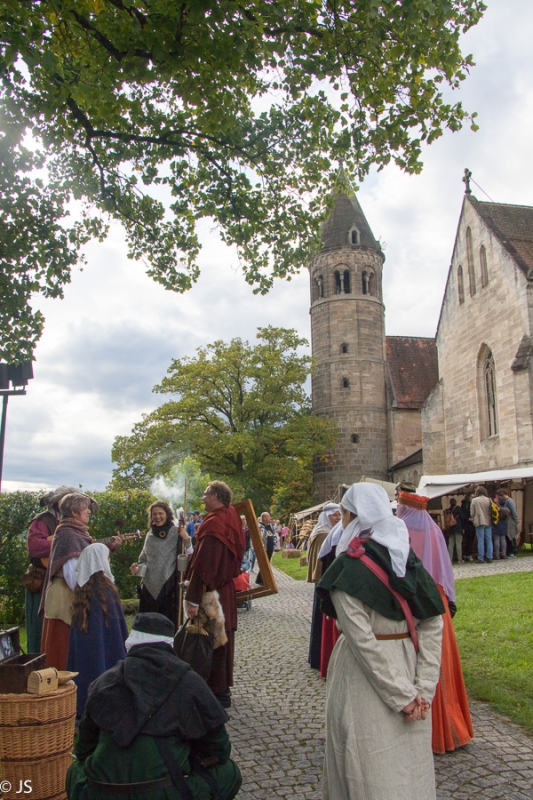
[[17, 509]]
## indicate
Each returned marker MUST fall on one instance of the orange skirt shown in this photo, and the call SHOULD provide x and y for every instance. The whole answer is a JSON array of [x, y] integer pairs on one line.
[[54, 642], [452, 724]]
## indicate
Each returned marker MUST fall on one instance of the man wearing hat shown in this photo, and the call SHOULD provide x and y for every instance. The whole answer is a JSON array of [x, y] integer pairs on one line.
[[152, 728], [39, 542]]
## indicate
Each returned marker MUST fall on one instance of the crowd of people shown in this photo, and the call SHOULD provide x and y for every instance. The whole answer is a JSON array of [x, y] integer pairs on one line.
[[381, 633], [147, 722]]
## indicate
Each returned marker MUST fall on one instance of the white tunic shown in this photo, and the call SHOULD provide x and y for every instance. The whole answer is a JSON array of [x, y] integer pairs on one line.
[[371, 752]]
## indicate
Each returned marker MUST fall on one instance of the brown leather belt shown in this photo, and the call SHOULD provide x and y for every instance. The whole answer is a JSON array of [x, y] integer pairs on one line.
[[127, 788], [381, 636]]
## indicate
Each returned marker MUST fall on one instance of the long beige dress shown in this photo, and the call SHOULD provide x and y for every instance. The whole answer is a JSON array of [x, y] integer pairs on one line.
[[371, 752]]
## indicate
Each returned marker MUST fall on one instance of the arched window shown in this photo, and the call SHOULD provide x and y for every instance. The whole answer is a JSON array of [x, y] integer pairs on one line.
[[353, 235], [372, 284], [484, 270], [490, 389], [318, 287], [460, 285], [355, 438], [338, 288], [366, 282], [345, 383], [346, 281], [488, 405], [344, 348], [470, 258]]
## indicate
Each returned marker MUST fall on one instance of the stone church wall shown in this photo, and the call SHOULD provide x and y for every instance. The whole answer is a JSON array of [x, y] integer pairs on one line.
[[405, 428], [494, 318], [433, 441]]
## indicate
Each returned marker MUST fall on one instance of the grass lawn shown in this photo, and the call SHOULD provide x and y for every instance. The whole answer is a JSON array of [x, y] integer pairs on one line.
[[494, 628], [291, 566]]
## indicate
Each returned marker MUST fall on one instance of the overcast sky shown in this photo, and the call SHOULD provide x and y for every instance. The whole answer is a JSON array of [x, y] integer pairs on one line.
[[113, 336]]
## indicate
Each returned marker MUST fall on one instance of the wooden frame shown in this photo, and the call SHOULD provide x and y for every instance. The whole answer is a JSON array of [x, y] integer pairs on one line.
[[246, 509]]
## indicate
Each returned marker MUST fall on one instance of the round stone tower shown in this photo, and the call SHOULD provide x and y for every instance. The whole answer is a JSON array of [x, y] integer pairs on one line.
[[348, 343]]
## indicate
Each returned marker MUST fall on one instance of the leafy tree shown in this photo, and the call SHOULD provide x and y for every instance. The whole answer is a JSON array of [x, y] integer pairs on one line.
[[240, 410], [158, 113]]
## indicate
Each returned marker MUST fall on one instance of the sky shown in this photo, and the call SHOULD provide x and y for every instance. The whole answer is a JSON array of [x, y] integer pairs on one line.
[[112, 337]]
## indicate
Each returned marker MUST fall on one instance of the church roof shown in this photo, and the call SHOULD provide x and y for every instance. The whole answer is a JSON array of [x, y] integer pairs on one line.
[[513, 226], [345, 214], [413, 369]]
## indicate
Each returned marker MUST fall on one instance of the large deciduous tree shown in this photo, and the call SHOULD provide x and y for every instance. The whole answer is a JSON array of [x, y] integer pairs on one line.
[[158, 113], [241, 411]]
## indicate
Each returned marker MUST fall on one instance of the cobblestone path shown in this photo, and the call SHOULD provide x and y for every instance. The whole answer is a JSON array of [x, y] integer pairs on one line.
[[277, 729]]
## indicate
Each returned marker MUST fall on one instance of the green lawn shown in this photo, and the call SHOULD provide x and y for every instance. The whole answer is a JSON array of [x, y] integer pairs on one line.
[[291, 566], [494, 628]]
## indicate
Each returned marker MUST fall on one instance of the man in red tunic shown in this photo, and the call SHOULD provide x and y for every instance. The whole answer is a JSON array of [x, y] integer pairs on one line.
[[216, 560]]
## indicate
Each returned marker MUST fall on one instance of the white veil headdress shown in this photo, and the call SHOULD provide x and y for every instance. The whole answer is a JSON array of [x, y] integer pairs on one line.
[[95, 558], [370, 503], [324, 518]]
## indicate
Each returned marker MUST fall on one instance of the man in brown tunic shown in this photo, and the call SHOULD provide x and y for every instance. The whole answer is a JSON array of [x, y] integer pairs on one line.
[[216, 560]]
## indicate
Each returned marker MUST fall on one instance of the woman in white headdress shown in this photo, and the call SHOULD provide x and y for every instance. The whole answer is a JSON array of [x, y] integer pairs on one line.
[[329, 517], [98, 628], [385, 665]]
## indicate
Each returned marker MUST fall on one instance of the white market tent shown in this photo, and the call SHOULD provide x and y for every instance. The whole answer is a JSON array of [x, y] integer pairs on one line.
[[438, 485], [307, 512]]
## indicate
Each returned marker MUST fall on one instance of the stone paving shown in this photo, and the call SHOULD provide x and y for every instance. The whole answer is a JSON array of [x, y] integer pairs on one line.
[[277, 729], [474, 569]]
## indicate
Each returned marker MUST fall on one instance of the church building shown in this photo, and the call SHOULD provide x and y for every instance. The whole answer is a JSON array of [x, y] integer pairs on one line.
[[407, 406]]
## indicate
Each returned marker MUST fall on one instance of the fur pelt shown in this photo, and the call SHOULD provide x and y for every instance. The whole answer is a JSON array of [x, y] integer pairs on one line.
[[211, 617]]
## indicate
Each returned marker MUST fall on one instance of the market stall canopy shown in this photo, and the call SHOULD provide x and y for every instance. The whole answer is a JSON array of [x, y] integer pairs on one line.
[[308, 511], [438, 485], [387, 485]]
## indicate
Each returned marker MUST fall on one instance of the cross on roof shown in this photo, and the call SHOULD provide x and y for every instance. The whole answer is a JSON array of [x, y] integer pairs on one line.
[[466, 181]]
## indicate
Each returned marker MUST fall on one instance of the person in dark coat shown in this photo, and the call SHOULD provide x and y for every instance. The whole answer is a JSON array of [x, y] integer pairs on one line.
[[39, 543], [152, 728], [98, 629], [216, 560]]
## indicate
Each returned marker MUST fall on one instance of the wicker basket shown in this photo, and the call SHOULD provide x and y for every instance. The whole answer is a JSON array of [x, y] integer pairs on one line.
[[47, 776], [36, 739], [18, 742], [30, 709]]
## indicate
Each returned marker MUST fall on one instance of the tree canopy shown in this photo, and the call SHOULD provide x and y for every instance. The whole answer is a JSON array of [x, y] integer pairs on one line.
[[158, 113], [241, 411]]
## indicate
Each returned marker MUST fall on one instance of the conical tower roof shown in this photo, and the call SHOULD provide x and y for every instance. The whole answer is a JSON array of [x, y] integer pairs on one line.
[[345, 215]]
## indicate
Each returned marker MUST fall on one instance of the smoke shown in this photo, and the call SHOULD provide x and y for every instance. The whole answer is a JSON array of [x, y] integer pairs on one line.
[[172, 491]]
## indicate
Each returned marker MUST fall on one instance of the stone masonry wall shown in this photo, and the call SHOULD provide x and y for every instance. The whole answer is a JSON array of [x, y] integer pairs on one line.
[[405, 428]]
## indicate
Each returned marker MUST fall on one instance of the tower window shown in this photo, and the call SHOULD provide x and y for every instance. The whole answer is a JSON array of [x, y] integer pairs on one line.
[[338, 288], [484, 270], [344, 348], [355, 438], [354, 237], [365, 282], [460, 285], [346, 281], [470, 257], [345, 383]]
